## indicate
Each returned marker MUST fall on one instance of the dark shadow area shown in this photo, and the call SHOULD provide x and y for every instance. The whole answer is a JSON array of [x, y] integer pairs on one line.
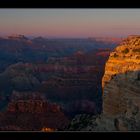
[[126, 87], [67, 73]]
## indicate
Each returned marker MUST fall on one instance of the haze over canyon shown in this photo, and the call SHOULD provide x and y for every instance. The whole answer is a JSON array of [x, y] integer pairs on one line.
[[69, 70], [46, 82]]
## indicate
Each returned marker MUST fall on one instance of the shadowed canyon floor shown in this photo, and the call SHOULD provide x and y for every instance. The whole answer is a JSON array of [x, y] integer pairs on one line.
[[44, 83]]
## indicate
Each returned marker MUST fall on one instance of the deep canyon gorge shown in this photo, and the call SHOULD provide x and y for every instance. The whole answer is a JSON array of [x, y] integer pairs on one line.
[[69, 84]]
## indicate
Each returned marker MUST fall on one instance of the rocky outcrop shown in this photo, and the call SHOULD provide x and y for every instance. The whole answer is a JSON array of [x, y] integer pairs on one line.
[[32, 106], [32, 114], [17, 37], [121, 79], [85, 122]]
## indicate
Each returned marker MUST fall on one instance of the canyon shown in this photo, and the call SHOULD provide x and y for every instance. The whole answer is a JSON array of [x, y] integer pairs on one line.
[[121, 88], [44, 83]]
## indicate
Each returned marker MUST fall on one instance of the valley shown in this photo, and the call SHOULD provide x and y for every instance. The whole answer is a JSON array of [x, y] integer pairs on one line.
[[67, 73]]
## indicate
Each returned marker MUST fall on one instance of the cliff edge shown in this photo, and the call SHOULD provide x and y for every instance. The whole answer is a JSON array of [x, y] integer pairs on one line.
[[121, 80]]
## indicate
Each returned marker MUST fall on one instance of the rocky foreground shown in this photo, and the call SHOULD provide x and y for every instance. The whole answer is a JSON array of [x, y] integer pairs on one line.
[[31, 112], [121, 92]]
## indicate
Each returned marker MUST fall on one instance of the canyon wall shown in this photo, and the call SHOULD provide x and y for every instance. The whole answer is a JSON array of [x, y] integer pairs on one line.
[[121, 81]]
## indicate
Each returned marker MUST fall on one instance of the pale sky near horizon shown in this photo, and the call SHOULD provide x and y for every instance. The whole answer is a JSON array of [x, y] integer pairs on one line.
[[70, 22]]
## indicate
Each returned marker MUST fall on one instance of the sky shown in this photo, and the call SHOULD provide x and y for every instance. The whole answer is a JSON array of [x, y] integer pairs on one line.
[[73, 23]]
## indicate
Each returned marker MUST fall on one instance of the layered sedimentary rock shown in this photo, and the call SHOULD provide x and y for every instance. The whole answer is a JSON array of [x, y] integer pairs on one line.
[[32, 112], [121, 81], [64, 79], [121, 92]]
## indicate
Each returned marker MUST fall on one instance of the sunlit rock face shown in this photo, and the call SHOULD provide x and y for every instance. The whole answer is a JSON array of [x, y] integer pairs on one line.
[[121, 81]]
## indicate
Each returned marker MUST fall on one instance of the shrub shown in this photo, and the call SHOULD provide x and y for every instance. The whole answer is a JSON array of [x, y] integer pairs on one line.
[[125, 50]]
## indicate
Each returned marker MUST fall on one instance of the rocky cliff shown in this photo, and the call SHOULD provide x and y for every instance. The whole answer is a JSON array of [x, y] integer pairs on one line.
[[121, 80], [121, 92]]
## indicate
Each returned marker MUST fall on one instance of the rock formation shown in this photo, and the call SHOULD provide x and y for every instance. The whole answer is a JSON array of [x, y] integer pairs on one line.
[[121, 92], [121, 79], [32, 114]]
